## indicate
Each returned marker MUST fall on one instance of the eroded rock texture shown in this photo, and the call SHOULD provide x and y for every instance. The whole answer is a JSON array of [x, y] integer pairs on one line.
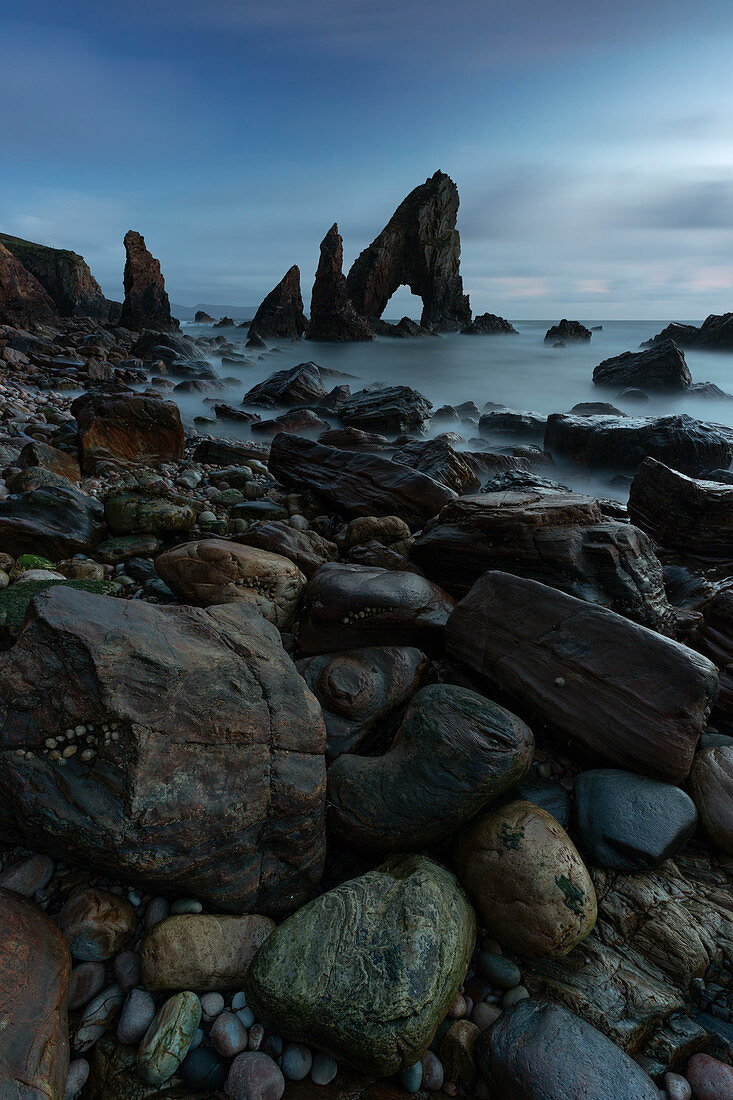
[[437, 459], [661, 367], [333, 316], [553, 653], [23, 301], [682, 513], [128, 428], [280, 316], [146, 302], [64, 275], [392, 409], [716, 332], [420, 247], [715, 640], [212, 786]]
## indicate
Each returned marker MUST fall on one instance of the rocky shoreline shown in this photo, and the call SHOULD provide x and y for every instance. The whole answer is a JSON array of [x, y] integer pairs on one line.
[[352, 758]]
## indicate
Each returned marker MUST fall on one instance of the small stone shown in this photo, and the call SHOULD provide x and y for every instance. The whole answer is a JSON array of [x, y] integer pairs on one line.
[[500, 971], [296, 1062], [86, 981], [246, 1015], [97, 924], [77, 1078], [272, 1045], [239, 1000], [254, 1076], [324, 1068], [513, 996], [97, 1017], [29, 876], [411, 1078], [256, 1035], [212, 1005], [127, 969], [456, 1053], [203, 1068], [677, 1087], [185, 905], [710, 1078], [432, 1072], [228, 1035], [168, 1039], [484, 1015], [156, 911], [136, 1017], [457, 1009]]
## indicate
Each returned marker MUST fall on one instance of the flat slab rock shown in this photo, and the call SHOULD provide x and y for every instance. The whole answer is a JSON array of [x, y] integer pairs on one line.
[[215, 783], [553, 653], [682, 513]]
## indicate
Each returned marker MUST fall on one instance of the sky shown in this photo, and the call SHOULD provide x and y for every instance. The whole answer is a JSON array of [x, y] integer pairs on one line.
[[591, 143]]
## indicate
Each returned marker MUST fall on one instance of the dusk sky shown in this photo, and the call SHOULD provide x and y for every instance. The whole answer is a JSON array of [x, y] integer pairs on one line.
[[591, 143]]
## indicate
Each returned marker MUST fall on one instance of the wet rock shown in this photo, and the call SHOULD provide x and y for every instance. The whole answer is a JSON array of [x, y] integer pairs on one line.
[[200, 951], [97, 924], [301, 385], [595, 408], [34, 975], [457, 1049], [254, 1076], [387, 530], [216, 571], [356, 484], [488, 324], [97, 1018], [298, 421], [690, 446], [49, 458], [54, 522], [136, 513], [238, 726], [627, 822], [680, 512], [333, 316], [217, 452], [529, 884], [64, 276], [86, 982], [715, 640], [540, 1051], [23, 301], [127, 428], [360, 688], [419, 246], [353, 605], [201, 317], [712, 788], [554, 652], [559, 538], [136, 1017], [353, 439], [306, 549], [28, 876], [341, 972], [77, 1078], [441, 462], [146, 304], [571, 331], [280, 316], [168, 1038], [393, 410], [661, 367], [549, 795], [529, 424], [710, 1078], [454, 753]]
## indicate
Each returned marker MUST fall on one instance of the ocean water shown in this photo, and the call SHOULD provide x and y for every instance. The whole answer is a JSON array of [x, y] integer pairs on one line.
[[520, 372]]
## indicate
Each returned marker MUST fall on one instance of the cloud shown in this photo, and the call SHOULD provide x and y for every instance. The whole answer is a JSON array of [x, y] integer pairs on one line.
[[704, 204]]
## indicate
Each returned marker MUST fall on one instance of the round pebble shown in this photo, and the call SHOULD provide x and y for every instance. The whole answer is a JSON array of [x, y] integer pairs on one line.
[[239, 1000], [212, 1005], [127, 969], [228, 1035], [136, 1017], [514, 996], [157, 910], [677, 1087], [432, 1072], [168, 1039], [246, 1015], [500, 971], [296, 1062], [710, 1078], [256, 1035], [254, 1076], [203, 1068], [324, 1068], [86, 981], [77, 1078], [457, 1009], [484, 1015], [96, 924], [29, 876], [411, 1078], [186, 905]]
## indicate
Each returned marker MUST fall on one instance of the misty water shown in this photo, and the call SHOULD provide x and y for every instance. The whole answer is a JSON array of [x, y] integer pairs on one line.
[[520, 372]]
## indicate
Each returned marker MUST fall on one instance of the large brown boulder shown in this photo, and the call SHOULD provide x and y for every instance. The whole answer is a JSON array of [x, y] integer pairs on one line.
[[65, 277], [356, 484], [127, 427], [560, 538], [631, 696], [201, 770], [420, 247], [146, 303], [361, 605], [280, 316], [680, 512], [34, 976], [23, 301], [333, 316], [216, 571]]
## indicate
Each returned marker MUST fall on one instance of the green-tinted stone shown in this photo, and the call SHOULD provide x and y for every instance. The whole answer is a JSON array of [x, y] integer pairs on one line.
[[168, 1038], [138, 513], [124, 547], [367, 971], [14, 601], [500, 971], [227, 497]]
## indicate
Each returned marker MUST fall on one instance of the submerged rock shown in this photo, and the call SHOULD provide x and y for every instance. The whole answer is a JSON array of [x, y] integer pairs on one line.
[[661, 367], [488, 324], [333, 316], [566, 331], [680, 512], [146, 303], [280, 316]]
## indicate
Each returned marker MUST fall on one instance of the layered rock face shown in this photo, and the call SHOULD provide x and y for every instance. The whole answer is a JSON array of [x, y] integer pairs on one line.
[[333, 316], [420, 247], [146, 303], [661, 367], [553, 653], [715, 640], [23, 301], [34, 975], [394, 409], [128, 428], [64, 275], [559, 538], [202, 784], [280, 316], [291, 386], [680, 512]]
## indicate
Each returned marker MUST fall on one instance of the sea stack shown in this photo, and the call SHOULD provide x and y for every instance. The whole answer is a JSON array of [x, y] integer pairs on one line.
[[333, 316], [146, 304]]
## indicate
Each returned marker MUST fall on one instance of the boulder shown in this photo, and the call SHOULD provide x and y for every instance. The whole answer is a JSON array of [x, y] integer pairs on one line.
[[209, 779], [710, 1078], [297, 421], [301, 385], [715, 640], [127, 428], [53, 522], [528, 424], [454, 753], [217, 571], [441, 462], [146, 304], [530, 886], [690, 446], [712, 788], [356, 484], [280, 316], [540, 1051], [359, 605], [551, 652], [201, 317], [23, 301], [393, 409], [306, 549], [61, 463], [420, 247], [132, 513], [333, 316], [684, 336], [680, 512], [367, 971], [358, 689], [556, 537], [64, 276], [354, 439], [201, 951], [35, 967], [488, 324], [15, 600], [627, 822], [661, 367], [568, 331], [716, 333]]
